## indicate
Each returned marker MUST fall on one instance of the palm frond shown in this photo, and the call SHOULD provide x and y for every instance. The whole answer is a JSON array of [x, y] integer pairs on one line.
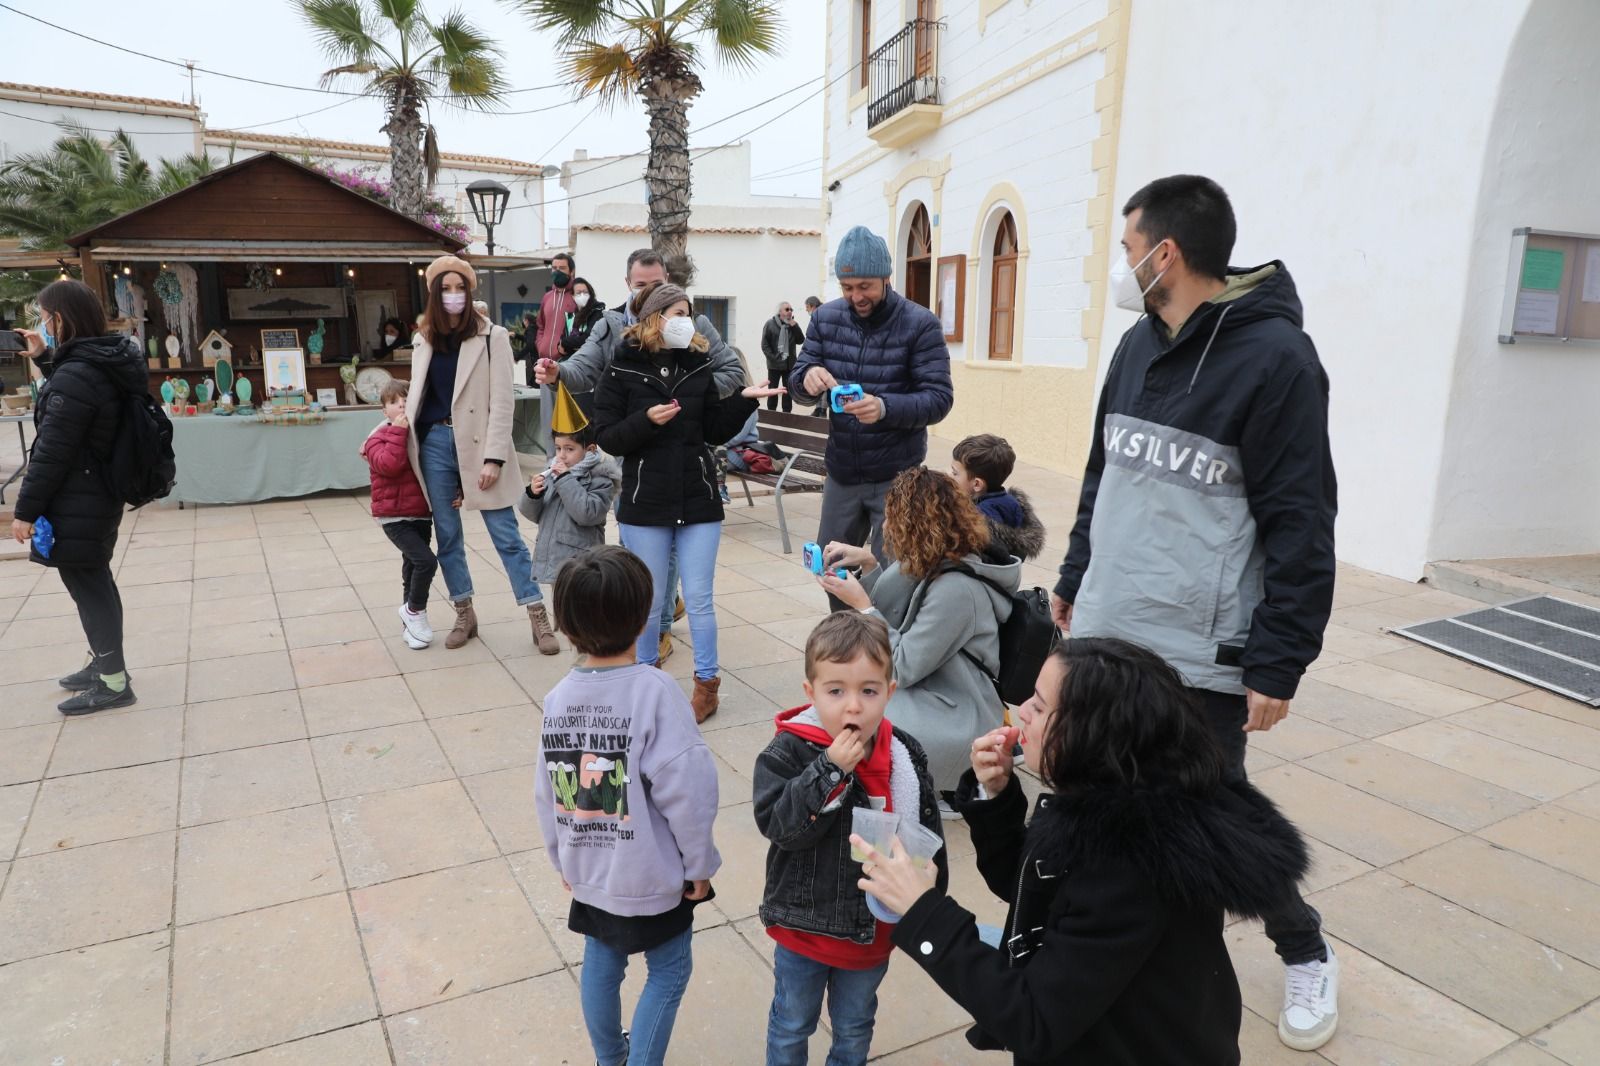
[[342, 28], [744, 30], [608, 71], [468, 62], [431, 160], [573, 20], [363, 69]]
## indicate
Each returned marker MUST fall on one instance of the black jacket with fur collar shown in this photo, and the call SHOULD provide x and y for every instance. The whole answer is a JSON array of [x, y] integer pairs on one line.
[[1113, 951]]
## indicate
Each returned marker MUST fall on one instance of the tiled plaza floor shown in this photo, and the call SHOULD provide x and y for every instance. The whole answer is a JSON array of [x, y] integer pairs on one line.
[[309, 844]]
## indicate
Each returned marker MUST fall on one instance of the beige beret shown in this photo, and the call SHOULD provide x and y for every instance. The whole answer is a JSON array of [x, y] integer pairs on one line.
[[447, 263]]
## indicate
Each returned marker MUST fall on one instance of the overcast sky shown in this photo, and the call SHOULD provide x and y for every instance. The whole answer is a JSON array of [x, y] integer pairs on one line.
[[267, 40]]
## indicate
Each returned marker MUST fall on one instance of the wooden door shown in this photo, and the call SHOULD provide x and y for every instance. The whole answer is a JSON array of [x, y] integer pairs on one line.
[[1003, 291], [924, 37], [919, 259]]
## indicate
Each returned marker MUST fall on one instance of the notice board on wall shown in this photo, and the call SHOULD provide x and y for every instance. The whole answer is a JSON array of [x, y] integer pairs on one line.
[[1552, 288]]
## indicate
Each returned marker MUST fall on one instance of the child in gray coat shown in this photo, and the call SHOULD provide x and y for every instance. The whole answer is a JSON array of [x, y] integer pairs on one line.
[[570, 501]]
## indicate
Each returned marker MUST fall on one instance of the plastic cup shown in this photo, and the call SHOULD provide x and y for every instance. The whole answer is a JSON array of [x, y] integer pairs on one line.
[[875, 827], [920, 843]]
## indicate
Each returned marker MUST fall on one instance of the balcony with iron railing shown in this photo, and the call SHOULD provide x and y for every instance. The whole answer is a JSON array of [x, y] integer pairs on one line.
[[904, 73]]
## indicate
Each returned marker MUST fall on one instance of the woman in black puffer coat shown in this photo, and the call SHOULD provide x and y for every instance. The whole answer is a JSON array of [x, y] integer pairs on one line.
[[86, 375]]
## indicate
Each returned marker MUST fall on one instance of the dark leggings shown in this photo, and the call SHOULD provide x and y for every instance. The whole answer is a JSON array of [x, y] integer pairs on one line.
[[94, 592], [414, 537], [1294, 927]]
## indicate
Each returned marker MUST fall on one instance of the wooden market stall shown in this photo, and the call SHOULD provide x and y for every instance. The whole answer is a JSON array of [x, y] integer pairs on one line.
[[253, 258]]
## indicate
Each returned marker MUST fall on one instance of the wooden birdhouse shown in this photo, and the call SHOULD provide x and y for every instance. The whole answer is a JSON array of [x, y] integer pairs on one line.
[[215, 346]]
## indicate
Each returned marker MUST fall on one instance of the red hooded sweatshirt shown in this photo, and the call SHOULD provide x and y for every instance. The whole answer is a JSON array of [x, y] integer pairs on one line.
[[873, 773]]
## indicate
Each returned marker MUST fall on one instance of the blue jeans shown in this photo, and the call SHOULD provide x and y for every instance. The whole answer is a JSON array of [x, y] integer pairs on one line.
[[442, 476], [671, 597], [600, 988], [696, 547], [797, 1005]]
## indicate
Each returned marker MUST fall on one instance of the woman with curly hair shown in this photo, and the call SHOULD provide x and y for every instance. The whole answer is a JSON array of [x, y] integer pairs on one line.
[[945, 597]]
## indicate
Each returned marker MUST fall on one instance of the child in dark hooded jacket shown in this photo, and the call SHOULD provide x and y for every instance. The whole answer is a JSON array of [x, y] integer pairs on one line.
[[981, 465]]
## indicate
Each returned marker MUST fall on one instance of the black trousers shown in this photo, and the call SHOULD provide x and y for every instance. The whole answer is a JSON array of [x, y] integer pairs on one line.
[[94, 592], [778, 375], [414, 538], [1295, 928]]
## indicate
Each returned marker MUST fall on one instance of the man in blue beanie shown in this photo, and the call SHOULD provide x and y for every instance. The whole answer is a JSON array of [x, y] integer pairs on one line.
[[894, 349]]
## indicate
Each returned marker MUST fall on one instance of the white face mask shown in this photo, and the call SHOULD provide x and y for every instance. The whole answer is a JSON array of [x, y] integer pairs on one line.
[[678, 332], [581, 299], [1125, 286], [455, 302]]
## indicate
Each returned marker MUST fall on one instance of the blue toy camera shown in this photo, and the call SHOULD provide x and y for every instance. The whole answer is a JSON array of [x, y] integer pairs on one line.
[[840, 395], [811, 559]]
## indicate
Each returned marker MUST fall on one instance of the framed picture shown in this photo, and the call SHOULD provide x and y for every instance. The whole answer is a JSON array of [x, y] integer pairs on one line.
[[284, 368], [511, 313], [950, 295], [328, 397], [280, 338]]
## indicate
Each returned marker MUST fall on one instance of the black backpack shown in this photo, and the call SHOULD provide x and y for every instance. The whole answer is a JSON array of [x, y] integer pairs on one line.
[[1027, 637], [141, 466]]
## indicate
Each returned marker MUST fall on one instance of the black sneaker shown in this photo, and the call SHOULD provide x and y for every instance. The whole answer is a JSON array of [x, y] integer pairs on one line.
[[79, 680], [99, 697]]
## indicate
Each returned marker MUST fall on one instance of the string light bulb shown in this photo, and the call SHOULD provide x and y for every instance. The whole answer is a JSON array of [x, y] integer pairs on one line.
[[277, 272], [350, 272], [127, 271]]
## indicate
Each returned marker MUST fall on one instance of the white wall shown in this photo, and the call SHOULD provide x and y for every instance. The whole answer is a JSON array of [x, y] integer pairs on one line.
[[1351, 139], [158, 133], [719, 177], [751, 271], [1520, 469]]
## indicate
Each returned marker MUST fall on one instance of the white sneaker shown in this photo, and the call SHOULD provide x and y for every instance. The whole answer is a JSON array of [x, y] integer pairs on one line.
[[1310, 1003], [948, 813], [419, 634]]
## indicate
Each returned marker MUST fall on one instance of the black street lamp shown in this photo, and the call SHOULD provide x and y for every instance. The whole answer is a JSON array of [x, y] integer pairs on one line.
[[488, 199]]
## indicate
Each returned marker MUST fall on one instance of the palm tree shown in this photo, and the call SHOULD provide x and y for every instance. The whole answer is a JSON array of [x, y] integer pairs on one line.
[[407, 60], [616, 49], [81, 181]]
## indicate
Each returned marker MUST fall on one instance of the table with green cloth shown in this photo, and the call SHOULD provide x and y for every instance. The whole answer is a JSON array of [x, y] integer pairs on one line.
[[237, 459]]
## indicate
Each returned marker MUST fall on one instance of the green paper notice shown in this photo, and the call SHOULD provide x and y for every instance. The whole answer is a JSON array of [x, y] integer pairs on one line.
[[1541, 269]]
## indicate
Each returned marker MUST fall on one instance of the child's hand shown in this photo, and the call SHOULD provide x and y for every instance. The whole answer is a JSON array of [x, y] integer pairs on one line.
[[847, 749], [699, 890], [557, 468], [536, 486], [565, 885], [991, 759], [458, 501], [400, 420]]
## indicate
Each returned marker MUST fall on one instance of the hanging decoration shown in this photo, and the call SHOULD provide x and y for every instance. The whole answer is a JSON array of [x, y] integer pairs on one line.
[[260, 277], [178, 286]]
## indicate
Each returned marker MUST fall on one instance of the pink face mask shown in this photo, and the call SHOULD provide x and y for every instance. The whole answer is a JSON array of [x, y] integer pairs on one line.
[[455, 302]]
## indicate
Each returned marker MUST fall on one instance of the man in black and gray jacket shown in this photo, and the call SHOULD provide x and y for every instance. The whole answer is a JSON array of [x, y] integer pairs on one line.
[[1205, 525]]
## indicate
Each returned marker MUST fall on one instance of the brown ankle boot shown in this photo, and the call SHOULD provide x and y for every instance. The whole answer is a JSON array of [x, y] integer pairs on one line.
[[704, 700], [466, 626], [543, 635]]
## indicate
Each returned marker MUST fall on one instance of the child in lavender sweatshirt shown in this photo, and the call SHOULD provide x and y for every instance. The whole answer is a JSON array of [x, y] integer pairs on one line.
[[626, 806]]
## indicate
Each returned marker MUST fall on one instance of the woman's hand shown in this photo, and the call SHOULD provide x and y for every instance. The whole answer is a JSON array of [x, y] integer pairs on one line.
[[662, 413], [33, 343], [488, 476], [21, 531], [892, 879], [846, 590], [761, 392], [991, 759], [853, 556]]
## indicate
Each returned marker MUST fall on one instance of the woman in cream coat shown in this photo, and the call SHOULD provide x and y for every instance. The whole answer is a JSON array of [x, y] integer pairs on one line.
[[459, 410]]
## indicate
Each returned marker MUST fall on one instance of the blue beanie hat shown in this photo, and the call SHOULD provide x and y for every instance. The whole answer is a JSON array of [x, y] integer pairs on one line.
[[862, 254]]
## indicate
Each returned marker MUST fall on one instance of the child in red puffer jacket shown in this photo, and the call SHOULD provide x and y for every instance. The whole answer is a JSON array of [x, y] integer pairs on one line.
[[400, 506]]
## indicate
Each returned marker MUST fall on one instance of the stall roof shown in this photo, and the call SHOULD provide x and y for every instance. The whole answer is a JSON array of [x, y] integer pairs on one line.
[[266, 205]]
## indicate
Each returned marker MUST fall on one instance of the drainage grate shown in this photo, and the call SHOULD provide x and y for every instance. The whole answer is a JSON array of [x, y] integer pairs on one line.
[[1545, 641]]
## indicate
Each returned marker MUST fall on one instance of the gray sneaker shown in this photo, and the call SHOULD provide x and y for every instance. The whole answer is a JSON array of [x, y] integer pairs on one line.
[[1310, 1003]]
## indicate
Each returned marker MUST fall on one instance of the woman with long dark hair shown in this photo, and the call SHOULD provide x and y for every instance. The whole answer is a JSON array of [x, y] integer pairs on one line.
[[459, 409], [87, 372], [1119, 885], [658, 410], [580, 322]]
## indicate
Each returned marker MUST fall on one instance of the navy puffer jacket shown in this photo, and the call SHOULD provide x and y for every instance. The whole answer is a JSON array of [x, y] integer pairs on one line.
[[897, 354]]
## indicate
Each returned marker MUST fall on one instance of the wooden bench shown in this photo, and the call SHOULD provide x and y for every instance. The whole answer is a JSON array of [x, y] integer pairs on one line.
[[805, 438]]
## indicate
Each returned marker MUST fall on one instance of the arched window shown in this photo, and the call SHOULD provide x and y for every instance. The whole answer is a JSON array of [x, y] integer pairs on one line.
[[919, 258], [1003, 290]]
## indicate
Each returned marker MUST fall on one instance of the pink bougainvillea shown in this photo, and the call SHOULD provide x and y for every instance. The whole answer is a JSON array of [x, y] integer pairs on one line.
[[435, 212]]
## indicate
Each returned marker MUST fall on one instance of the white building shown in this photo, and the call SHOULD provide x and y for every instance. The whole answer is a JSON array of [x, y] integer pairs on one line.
[[166, 129], [750, 251], [1385, 152]]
